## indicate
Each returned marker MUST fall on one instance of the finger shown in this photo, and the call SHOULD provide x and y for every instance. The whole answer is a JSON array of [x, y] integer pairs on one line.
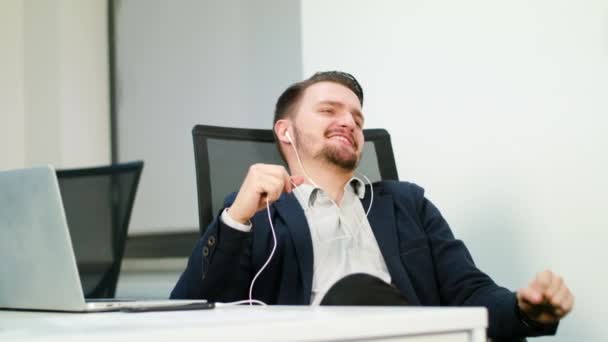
[[277, 185], [529, 295], [297, 180], [268, 170], [266, 199], [264, 183], [276, 191], [255, 169], [556, 284], [276, 194], [542, 281], [270, 186], [557, 299], [277, 170], [568, 303], [562, 301], [280, 173]]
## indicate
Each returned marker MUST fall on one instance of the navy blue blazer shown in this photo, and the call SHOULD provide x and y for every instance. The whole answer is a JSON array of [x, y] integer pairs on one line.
[[426, 263]]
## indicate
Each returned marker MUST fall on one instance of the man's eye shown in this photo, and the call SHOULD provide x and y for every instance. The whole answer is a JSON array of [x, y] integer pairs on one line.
[[326, 110]]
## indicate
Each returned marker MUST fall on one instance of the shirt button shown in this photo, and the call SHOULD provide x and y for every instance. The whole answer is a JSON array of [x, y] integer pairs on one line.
[[205, 251], [211, 241]]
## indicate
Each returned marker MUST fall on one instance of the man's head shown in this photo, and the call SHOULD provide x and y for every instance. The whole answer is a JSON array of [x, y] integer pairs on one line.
[[322, 116]]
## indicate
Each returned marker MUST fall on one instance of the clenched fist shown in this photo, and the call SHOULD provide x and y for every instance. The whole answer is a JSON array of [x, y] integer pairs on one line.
[[546, 299], [262, 182]]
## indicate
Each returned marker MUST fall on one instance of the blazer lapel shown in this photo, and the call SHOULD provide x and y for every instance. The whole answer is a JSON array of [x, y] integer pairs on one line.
[[295, 220], [382, 220]]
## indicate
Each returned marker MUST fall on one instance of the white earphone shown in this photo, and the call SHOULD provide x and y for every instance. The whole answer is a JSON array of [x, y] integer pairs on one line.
[[288, 137]]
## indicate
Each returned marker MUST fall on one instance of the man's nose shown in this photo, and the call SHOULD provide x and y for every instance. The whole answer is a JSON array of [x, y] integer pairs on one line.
[[346, 119]]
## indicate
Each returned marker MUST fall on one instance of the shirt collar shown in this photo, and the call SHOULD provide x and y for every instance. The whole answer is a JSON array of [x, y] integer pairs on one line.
[[307, 194]]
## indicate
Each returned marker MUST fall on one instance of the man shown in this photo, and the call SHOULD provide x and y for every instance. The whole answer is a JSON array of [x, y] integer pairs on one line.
[[328, 226]]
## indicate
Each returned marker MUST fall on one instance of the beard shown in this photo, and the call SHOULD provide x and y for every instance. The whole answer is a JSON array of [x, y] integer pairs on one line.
[[338, 157], [334, 155]]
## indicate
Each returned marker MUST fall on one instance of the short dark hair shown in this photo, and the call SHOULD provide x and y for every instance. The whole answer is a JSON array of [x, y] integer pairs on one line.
[[291, 96]]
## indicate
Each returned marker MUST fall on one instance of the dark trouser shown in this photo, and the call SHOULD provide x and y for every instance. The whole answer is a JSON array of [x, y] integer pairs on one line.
[[363, 289]]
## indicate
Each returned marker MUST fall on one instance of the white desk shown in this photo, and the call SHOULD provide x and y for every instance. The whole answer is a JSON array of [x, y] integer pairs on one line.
[[246, 324]]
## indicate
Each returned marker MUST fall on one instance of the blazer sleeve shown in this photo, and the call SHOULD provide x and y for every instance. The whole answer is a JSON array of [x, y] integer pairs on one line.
[[219, 268], [462, 283]]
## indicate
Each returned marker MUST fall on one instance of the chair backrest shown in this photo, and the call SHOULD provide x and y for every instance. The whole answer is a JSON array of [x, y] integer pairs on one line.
[[223, 155], [98, 203]]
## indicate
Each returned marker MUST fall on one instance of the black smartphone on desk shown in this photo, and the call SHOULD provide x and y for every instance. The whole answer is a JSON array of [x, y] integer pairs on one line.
[[189, 306]]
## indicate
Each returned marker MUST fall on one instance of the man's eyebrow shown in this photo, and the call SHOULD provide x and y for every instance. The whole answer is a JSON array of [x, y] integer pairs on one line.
[[332, 103]]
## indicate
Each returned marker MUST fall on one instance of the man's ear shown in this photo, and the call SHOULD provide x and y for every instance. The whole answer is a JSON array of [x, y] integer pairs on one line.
[[281, 129]]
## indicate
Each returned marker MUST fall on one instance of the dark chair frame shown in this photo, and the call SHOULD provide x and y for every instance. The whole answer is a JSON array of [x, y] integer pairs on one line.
[[201, 133], [120, 229]]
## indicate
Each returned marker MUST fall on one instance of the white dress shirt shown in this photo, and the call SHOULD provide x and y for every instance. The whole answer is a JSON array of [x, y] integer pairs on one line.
[[342, 239]]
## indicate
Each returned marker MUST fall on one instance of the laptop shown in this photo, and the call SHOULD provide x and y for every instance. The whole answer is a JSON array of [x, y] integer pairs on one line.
[[39, 270]]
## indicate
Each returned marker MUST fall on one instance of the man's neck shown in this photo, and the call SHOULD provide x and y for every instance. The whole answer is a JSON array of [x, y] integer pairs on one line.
[[330, 178]]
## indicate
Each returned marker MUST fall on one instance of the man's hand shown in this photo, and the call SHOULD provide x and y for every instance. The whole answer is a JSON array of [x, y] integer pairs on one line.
[[546, 299], [263, 181]]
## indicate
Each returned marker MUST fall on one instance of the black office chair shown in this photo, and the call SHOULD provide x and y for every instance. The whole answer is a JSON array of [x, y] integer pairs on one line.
[[223, 155], [98, 203]]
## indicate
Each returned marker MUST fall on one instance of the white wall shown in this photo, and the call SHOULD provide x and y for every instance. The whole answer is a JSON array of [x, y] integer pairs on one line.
[[194, 62], [84, 96], [499, 110], [12, 140], [55, 93]]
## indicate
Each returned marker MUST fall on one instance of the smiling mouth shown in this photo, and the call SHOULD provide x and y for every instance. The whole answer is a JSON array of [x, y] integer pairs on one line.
[[342, 139]]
